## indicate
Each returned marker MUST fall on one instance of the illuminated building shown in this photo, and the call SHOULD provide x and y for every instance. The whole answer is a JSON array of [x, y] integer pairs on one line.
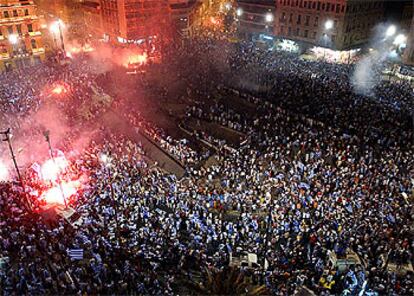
[[130, 21], [20, 35], [336, 24], [255, 18]]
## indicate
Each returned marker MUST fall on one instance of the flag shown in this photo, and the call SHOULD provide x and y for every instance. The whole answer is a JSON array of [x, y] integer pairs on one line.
[[75, 254]]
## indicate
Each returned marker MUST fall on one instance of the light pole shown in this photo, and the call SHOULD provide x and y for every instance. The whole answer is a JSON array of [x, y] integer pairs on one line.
[[107, 161], [47, 137], [8, 136], [329, 24], [56, 28]]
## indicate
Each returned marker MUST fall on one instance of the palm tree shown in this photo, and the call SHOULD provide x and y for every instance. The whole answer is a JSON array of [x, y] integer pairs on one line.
[[229, 281]]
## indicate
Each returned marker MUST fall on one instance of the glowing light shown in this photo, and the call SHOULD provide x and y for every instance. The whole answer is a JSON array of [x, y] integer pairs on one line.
[[227, 5], [105, 159], [136, 59], [4, 172], [59, 89], [269, 17], [51, 169], [239, 11], [391, 31], [56, 26], [400, 39], [13, 38], [54, 194], [329, 24], [214, 21]]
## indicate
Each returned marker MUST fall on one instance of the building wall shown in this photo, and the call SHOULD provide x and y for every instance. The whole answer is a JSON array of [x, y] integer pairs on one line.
[[19, 21], [253, 16], [134, 19], [409, 51], [92, 17], [304, 21]]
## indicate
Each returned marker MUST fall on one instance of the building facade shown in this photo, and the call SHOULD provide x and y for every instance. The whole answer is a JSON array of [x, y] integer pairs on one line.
[[184, 14], [92, 18], [337, 24], [409, 51], [255, 17], [20, 34], [127, 21]]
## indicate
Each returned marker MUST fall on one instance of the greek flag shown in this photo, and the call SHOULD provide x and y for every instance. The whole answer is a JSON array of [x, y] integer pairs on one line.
[[75, 254]]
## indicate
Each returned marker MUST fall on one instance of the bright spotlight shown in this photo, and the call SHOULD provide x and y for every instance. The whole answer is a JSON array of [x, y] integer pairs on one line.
[[227, 6], [13, 39], [400, 39], [329, 24], [269, 17], [239, 11], [391, 31], [55, 27]]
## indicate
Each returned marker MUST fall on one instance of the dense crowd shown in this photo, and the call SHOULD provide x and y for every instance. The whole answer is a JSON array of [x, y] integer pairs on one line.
[[322, 171]]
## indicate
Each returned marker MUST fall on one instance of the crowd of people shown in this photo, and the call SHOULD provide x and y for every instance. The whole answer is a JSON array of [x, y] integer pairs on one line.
[[324, 172]]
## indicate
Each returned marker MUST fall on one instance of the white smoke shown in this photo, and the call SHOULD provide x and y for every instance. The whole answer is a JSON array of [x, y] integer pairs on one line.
[[367, 72]]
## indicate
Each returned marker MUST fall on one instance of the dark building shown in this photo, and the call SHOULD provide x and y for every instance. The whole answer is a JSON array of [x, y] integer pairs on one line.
[[337, 24], [255, 18]]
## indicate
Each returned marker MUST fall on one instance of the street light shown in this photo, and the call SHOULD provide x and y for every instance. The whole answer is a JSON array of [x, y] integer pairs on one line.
[[107, 162], [227, 6], [56, 28], [400, 39], [239, 11], [13, 39], [391, 31], [329, 24], [269, 17]]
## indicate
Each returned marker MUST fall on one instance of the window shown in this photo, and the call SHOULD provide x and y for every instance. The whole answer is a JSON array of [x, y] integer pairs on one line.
[[283, 16], [19, 29], [297, 32], [289, 31], [333, 38], [15, 13], [290, 17], [33, 43], [306, 34], [26, 12], [299, 19], [314, 35], [316, 22], [319, 5], [335, 24], [338, 6], [30, 27], [307, 20], [323, 6], [301, 3], [328, 5], [343, 8], [1, 32], [10, 30], [313, 5], [6, 14]]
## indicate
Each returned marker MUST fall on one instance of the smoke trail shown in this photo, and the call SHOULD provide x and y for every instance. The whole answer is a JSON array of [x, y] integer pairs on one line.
[[367, 72]]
